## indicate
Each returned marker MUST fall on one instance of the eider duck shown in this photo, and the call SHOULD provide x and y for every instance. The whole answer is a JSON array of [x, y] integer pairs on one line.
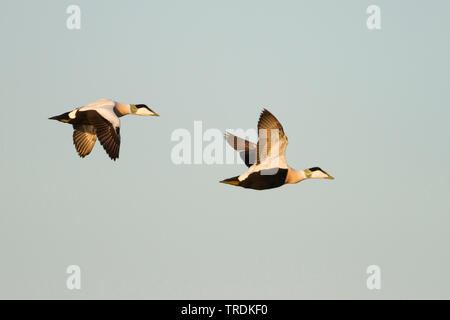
[[267, 159], [100, 120]]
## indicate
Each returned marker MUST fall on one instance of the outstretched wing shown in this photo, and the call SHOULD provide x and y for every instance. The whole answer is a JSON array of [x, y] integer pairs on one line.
[[84, 138], [107, 133], [246, 149], [272, 141]]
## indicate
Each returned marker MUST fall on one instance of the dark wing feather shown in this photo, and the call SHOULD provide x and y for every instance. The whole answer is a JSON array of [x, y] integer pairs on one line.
[[246, 149], [84, 138], [107, 134]]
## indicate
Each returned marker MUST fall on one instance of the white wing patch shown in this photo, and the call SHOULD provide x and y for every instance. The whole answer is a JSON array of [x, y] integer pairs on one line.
[[108, 114], [105, 107], [72, 114], [102, 103]]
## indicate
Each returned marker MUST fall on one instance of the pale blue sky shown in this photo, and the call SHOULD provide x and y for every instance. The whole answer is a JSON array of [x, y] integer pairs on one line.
[[370, 107]]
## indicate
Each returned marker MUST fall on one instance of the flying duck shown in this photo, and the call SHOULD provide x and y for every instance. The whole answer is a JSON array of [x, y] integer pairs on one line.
[[100, 120], [266, 160]]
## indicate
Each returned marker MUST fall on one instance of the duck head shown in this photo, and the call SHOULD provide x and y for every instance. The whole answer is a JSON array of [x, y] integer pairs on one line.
[[142, 110], [317, 173]]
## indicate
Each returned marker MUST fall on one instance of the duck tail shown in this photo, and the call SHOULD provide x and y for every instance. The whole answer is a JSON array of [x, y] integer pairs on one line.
[[233, 181], [62, 117]]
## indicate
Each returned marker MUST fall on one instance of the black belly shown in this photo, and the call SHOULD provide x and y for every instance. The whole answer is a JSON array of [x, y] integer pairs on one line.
[[265, 179]]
